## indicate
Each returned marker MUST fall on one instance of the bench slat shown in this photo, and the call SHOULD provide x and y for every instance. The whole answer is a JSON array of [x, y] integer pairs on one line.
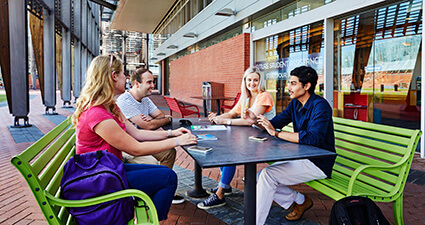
[[376, 127], [365, 160], [54, 184], [367, 151], [384, 176], [44, 159], [372, 134], [397, 149], [386, 186], [56, 165], [340, 183], [39, 145]]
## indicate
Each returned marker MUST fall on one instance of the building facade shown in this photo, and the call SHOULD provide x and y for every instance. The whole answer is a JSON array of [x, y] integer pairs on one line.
[[367, 53]]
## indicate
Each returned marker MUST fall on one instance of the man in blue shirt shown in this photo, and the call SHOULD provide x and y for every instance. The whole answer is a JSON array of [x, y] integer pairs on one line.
[[311, 116]]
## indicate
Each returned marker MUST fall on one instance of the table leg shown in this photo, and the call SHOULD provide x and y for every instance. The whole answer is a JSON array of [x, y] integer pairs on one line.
[[218, 107], [204, 104], [250, 192], [197, 191]]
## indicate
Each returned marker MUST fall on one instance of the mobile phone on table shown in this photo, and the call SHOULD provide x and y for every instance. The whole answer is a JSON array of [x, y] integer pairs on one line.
[[256, 138], [200, 149]]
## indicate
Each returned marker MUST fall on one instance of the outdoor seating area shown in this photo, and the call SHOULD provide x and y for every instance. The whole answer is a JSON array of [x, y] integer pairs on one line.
[[212, 112], [27, 211]]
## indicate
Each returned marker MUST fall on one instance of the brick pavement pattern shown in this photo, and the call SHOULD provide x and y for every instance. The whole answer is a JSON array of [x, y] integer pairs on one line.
[[18, 206]]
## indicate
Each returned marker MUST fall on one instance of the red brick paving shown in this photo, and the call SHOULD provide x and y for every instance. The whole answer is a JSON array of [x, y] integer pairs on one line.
[[17, 205]]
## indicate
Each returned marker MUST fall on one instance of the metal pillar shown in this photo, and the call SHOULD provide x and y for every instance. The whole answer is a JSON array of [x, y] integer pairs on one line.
[[66, 53], [18, 61], [159, 82], [423, 90], [77, 48], [146, 51], [328, 60], [31, 61], [124, 50], [49, 61], [83, 39]]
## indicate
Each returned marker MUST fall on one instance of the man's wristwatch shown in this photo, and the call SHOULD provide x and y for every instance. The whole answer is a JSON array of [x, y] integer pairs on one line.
[[276, 134], [229, 122]]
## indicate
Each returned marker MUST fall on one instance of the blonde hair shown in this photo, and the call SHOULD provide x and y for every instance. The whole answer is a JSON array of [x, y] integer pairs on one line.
[[99, 86], [245, 93]]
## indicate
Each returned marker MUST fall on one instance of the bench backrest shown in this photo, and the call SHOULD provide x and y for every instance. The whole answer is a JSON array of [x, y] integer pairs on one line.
[[359, 143], [42, 167], [173, 104]]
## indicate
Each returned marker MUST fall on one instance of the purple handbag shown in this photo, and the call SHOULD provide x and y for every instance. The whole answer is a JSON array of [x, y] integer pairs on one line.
[[95, 174]]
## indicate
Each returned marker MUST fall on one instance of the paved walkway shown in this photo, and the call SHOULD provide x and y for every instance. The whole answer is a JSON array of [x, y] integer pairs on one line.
[[17, 205]]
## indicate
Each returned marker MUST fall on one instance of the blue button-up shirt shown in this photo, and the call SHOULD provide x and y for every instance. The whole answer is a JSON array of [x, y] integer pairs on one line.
[[314, 125]]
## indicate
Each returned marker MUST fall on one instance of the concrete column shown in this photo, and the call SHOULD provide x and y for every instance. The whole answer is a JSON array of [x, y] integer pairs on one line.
[[422, 143], [124, 50], [146, 51], [77, 48], [49, 61], [31, 60], [159, 82], [328, 60], [66, 53], [84, 9], [83, 65], [18, 61]]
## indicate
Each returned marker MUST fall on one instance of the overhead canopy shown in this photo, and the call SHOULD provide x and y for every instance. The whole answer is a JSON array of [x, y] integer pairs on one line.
[[140, 15]]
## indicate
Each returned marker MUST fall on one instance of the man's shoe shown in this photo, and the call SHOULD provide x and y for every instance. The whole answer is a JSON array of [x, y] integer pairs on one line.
[[212, 202], [299, 210], [226, 191], [177, 199]]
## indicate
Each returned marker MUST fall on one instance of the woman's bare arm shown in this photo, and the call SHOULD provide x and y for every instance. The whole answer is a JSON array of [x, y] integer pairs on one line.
[[112, 133]]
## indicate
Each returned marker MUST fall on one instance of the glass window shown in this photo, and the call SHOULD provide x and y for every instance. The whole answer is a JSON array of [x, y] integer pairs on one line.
[[277, 55], [288, 11], [378, 65]]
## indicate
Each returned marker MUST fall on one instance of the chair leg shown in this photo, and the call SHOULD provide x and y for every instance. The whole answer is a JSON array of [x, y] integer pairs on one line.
[[398, 210]]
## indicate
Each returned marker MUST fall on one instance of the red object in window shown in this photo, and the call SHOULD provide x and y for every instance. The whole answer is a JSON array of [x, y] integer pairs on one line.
[[355, 106]]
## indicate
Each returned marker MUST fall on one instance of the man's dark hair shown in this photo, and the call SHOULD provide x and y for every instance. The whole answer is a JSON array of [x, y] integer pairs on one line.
[[306, 75], [137, 75]]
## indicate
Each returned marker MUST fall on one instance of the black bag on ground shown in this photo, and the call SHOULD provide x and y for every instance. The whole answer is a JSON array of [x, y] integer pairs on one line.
[[355, 210]]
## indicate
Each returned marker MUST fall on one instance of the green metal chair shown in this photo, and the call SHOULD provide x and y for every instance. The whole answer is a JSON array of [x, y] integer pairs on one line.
[[42, 167]]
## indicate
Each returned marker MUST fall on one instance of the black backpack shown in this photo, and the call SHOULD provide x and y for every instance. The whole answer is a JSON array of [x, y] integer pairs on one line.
[[355, 210]]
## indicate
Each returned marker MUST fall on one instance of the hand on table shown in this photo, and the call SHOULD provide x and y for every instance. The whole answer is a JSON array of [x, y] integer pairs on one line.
[[179, 131], [187, 139]]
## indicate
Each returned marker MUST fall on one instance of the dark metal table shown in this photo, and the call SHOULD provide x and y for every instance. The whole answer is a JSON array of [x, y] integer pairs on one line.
[[234, 148], [218, 99]]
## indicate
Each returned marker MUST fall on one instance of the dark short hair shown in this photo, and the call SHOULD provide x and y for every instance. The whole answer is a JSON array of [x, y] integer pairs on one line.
[[137, 74], [306, 75]]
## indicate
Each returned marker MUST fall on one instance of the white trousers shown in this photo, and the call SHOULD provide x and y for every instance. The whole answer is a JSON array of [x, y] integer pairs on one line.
[[274, 179]]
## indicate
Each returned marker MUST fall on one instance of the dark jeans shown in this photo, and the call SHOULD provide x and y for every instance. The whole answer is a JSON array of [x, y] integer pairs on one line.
[[159, 182]]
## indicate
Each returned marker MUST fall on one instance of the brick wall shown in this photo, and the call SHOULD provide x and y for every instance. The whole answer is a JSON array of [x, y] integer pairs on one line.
[[224, 62]]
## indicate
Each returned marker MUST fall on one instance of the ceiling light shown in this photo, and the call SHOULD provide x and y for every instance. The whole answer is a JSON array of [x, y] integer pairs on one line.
[[225, 12], [160, 54], [406, 43], [154, 58], [172, 47], [190, 35]]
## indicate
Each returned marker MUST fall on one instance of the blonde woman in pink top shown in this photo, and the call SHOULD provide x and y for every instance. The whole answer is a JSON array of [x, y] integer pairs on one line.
[[101, 125]]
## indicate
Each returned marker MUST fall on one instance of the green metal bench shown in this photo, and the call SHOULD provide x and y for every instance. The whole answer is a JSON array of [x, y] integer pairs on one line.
[[373, 161], [42, 163]]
